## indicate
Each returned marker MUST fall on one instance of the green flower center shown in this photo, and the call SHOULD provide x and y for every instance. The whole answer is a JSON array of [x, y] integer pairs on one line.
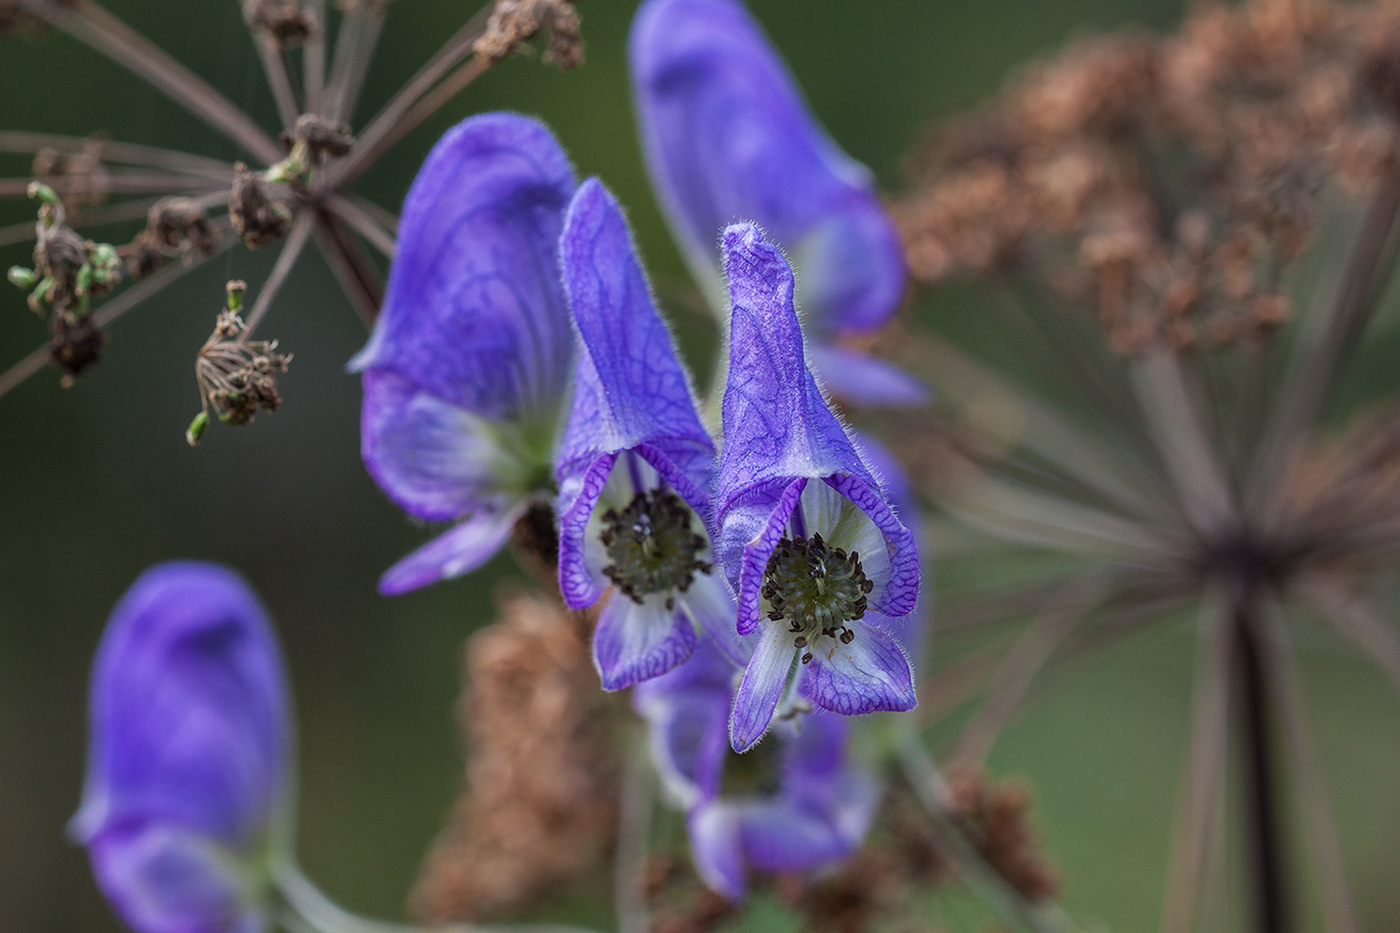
[[816, 588], [651, 546]]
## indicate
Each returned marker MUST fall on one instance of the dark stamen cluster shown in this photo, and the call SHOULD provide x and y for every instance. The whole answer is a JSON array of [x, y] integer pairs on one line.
[[652, 547], [817, 588]]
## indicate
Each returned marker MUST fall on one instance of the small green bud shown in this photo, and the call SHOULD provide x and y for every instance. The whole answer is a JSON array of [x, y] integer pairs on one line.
[[236, 290], [42, 192], [196, 429], [21, 277]]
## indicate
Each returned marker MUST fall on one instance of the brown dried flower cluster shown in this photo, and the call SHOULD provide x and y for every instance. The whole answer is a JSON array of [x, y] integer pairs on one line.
[[1167, 182], [258, 214], [1000, 815], [175, 227], [14, 18], [285, 21], [80, 177], [237, 376], [514, 22], [540, 804]]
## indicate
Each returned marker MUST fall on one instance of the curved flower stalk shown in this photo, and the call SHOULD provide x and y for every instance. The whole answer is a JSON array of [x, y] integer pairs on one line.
[[636, 466], [728, 138], [818, 814], [465, 373], [819, 560], [186, 802]]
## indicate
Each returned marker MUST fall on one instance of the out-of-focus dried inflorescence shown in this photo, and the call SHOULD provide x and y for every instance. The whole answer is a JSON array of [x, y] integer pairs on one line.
[[258, 214], [81, 177], [14, 18], [320, 137], [540, 803], [1178, 176], [515, 22], [285, 21], [175, 226], [1000, 815]]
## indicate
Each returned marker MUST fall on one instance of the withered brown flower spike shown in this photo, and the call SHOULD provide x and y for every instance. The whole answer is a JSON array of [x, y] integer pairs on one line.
[[1140, 211], [273, 187]]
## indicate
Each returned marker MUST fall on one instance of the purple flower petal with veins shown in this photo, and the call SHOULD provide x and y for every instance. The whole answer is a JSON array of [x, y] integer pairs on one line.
[[806, 533], [469, 363], [188, 757], [635, 465], [727, 138], [817, 816]]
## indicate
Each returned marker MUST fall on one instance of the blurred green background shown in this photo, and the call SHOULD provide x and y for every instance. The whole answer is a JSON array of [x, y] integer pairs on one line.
[[97, 483]]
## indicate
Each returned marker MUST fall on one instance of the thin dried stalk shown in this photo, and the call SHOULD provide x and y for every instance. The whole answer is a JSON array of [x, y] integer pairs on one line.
[[1338, 912], [363, 223], [1025, 659], [291, 250], [444, 60], [1202, 787], [89, 23], [108, 151]]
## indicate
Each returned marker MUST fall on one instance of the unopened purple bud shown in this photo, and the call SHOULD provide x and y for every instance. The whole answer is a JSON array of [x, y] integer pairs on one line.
[[188, 754]]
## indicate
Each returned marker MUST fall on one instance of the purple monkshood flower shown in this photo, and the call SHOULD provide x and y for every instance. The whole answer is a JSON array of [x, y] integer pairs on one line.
[[468, 366], [636, 466], [818, 558], [727, 138], [793, 805], [188, 759]]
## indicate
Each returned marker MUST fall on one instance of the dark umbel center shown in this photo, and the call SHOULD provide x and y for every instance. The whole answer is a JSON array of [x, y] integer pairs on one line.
[[816, 588], [651, 546]]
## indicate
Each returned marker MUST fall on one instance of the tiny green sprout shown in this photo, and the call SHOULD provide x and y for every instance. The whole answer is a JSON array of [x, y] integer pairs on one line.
[[236, 290], [105, 261], [39, 191], [196, 429], [21, 277]]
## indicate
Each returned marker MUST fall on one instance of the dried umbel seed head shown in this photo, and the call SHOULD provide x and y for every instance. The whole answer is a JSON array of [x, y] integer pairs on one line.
[[1000, 814], [652, 546], [514, 22], [285, 21], [236, 376], [258, 215], [816, 589], [175, 226]]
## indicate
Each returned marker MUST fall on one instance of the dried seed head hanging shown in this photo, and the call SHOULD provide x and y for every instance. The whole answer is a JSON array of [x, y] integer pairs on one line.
[[236, 376]]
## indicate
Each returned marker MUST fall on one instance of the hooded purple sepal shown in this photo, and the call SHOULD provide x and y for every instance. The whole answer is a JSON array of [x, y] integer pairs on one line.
[[188, 754], [474, 311], [791, 471], [777, 425], [631, 389], [468, 367], [727, 137], [633, 430]]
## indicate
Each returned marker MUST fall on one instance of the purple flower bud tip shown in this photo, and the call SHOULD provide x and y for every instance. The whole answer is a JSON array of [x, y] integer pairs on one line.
[[819, 559], [467, 369], [188, 753]]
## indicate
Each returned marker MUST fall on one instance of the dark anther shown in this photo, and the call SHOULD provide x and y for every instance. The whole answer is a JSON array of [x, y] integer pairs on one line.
[[652, 547], [816, 588]]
